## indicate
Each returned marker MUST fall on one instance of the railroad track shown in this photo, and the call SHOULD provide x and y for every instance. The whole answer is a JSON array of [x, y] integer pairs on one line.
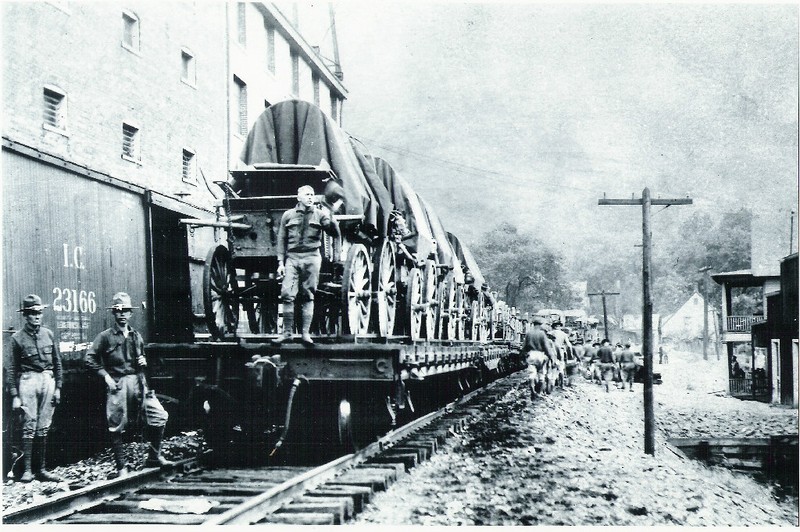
[[328, 494]]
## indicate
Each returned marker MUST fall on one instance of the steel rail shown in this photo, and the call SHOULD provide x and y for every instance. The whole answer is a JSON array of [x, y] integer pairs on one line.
[[255, 509], [88, 496]]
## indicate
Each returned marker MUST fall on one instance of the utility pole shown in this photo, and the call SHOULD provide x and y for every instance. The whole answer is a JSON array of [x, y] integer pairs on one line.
[[705, 270], [647, 310], [605, 311]]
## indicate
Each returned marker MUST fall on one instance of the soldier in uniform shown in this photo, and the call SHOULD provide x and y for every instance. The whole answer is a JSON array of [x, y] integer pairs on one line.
[[34, 379], [299, 260], [536, 351], [117, 356]]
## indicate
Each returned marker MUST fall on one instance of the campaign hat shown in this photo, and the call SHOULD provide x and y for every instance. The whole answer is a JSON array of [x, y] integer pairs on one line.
[[120, 301], [32, 303]]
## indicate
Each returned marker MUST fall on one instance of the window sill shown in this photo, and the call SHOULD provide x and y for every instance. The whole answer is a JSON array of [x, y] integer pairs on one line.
[[132, 160], [57, 130], [189, 83], [131, 49]]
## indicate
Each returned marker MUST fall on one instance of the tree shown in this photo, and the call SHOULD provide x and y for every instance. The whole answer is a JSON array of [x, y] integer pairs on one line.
[[527, 273]]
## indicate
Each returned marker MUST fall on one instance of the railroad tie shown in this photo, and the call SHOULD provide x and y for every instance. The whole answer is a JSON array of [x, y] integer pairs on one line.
[[408, 459], [360, 495]]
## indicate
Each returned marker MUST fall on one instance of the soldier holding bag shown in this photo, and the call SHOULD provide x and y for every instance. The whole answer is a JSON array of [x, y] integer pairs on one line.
[[117, 356]]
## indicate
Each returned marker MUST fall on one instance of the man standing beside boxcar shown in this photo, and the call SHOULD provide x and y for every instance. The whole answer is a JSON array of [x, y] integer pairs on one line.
[[299, 260], [117, 356], [34, 381]]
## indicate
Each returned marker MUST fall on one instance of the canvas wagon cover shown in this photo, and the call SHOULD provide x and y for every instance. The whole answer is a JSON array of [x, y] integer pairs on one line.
[[298, 132], [406, 201], [444, 251], [465, 256]]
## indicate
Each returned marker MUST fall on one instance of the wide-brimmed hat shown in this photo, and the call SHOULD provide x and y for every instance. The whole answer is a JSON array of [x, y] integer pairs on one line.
[[32, 303], [120, 301]]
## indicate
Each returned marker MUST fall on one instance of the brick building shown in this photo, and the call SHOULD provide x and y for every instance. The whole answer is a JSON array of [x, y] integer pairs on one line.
[[160, 95]]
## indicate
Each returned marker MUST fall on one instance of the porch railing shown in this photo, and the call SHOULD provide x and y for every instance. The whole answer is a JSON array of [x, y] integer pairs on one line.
[[742, 323], [748, 386]]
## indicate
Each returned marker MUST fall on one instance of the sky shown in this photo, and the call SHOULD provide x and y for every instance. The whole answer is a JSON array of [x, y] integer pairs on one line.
[[531, 112]]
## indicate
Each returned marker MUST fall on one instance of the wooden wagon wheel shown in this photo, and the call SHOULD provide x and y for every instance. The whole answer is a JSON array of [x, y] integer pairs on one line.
[[356, 290], [415, 309], [474, 320], [385, 283], [252, 306], [445, 312], [485, 321], [429, 298], [460, 316], [220, 300]]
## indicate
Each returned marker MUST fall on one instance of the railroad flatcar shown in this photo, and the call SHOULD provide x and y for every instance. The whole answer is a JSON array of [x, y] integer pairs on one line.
[[394, 334]]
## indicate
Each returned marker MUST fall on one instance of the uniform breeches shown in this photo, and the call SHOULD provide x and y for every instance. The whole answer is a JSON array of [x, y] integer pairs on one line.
[[537, 366], [627, 371], [122, 406], [302, 274], [36, 393]]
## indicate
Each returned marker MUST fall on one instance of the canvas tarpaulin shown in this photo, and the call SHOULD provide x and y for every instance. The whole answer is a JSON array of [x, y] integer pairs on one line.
[[465, 256], [444, 252], [298, 132], [406, 201]]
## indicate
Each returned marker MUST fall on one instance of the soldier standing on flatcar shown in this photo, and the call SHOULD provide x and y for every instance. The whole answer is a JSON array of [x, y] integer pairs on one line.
[[117, 356], [34, 379], [299, 260]]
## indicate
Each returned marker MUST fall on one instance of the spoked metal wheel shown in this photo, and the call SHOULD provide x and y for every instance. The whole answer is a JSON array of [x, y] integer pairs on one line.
[[385, 283], [258, 302], [220, 300], [415, 309], [429, 294], [356, 290]]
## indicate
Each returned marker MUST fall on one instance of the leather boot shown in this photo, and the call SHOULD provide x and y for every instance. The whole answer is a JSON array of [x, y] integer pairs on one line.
[[27, 459], [119, 457], [40, 444], [154, 458], [288, 324], [307, 315]]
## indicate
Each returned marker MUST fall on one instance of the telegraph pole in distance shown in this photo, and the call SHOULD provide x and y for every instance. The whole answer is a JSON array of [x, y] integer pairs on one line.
[[704, 270], [647, 310], [605, 312]]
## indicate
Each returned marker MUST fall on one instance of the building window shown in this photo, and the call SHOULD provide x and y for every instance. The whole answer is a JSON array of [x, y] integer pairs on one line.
[[315, 82], [131, 142], [130, 31], [270, 48], [241, 94], [189, 166], [55, 108], [241, 22], [188, 72], [295, 74], [334, 108]]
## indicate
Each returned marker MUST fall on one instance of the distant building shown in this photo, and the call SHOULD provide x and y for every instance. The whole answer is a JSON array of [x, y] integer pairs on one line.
[[685, 326], [763, 344]]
